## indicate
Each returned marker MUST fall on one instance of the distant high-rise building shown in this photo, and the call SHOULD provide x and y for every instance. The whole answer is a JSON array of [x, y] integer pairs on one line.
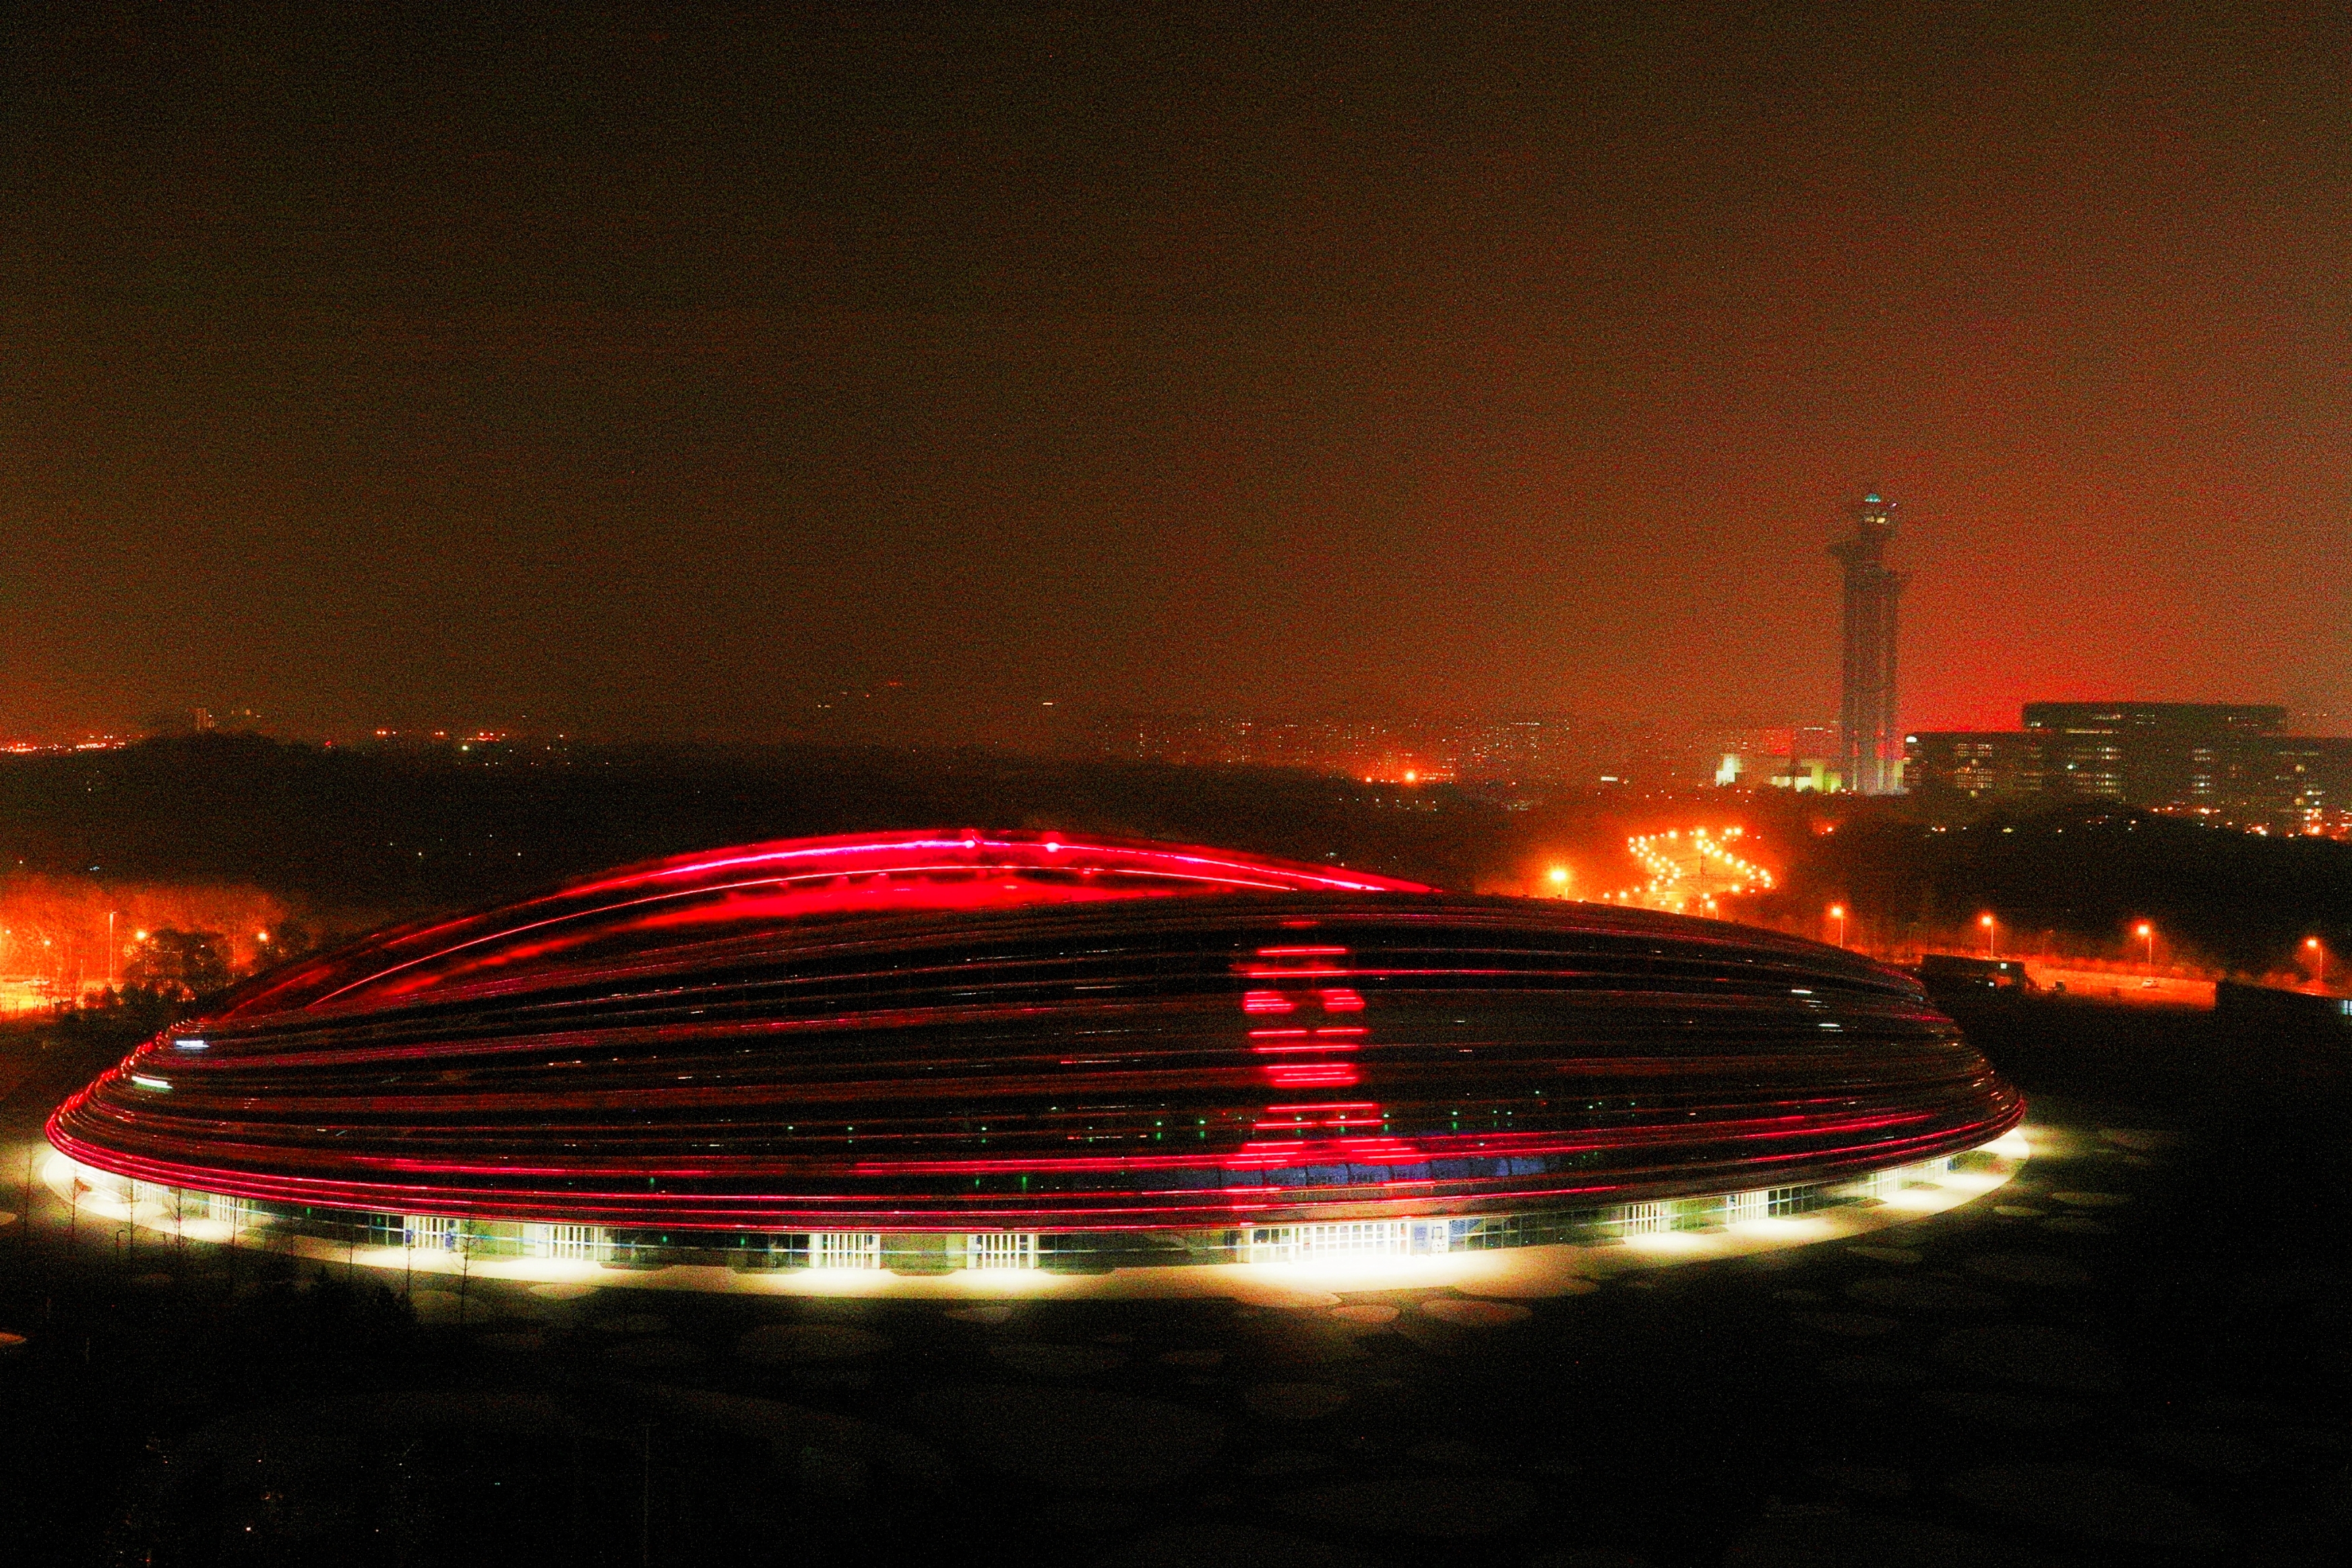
[[2182, 755], [1870, 744], [2230, 762], [1978, 763]]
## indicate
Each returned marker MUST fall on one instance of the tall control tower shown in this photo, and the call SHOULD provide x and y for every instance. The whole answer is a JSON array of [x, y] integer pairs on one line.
[[1870, 746]]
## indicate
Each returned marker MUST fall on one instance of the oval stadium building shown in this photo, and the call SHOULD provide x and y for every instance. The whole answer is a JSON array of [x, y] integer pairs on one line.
[[936, 1050]]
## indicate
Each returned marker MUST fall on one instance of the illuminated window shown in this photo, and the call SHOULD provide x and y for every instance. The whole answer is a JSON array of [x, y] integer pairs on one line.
[[581, 1243], [1644, 1219], [1780, 1202], [432, 1232], [235, 1211], [1323, 1243], [1001, 1249], [845, 1250], [1742, 1206], [1699, 1213], [1887, 1183], [1435, 1235]]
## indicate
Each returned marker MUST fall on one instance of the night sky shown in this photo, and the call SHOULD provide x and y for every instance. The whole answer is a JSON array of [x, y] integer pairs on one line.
[[652, 375]]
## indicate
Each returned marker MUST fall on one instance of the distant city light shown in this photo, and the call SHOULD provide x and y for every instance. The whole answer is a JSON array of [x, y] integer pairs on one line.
[[1676, 864]]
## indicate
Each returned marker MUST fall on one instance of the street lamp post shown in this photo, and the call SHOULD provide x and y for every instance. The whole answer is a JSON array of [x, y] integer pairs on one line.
[[2147, 932], [1985, 920], [2318, 961], [1837, 913]]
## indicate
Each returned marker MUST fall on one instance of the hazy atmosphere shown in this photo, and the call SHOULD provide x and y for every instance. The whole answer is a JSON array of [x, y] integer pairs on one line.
[[365, 366]]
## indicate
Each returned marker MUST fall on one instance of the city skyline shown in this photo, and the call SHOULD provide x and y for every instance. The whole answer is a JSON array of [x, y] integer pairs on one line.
[[1062, 729]]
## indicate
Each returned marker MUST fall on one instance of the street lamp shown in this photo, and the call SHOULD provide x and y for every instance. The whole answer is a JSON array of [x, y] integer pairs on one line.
[[1837, 913], [1985, 920], [2148, 932], [2318, 961]]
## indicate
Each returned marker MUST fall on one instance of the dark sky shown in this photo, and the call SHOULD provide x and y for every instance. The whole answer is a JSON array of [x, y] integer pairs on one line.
[[650, 374]]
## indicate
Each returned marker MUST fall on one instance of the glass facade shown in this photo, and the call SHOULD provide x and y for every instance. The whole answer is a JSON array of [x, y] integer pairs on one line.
[[845, 1249], [432, 1232], [1001, 1249], [933, 1253]]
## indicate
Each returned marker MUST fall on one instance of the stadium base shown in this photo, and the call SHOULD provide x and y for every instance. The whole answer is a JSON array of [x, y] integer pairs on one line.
[[1283, 1269]]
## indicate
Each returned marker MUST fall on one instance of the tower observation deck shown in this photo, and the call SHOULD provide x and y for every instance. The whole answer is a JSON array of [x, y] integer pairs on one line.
[[1870, 743]]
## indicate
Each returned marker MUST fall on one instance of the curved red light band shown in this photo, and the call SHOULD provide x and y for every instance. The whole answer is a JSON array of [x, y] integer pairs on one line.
[[1128, 1036]]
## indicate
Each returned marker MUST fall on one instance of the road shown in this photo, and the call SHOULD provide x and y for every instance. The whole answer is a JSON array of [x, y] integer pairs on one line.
[[2124, 987]]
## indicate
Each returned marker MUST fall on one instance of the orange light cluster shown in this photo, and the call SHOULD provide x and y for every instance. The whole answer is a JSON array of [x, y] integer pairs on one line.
[[1676, 861]]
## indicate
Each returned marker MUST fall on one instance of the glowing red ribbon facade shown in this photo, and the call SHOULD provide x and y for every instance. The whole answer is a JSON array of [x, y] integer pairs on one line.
[[967, 1030]]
